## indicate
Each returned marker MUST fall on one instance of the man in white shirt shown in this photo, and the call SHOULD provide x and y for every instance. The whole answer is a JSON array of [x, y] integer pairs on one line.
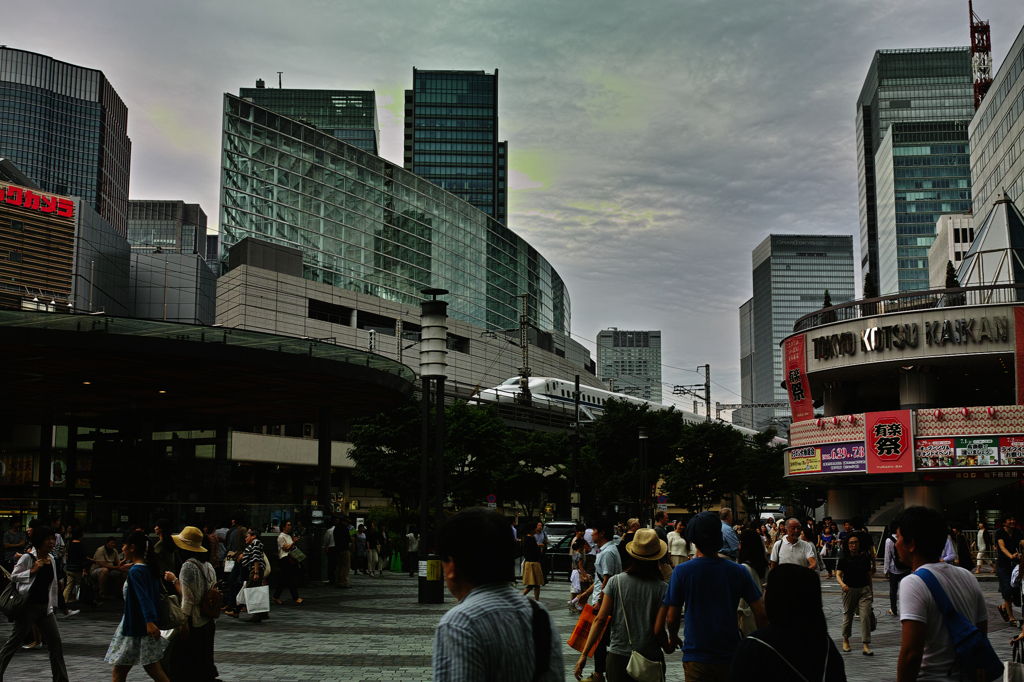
[[792, 550], [927, 652], [894, 568]]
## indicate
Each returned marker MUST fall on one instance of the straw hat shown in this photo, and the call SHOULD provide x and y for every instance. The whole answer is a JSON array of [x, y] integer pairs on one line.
[[190, 538], [646, 546]]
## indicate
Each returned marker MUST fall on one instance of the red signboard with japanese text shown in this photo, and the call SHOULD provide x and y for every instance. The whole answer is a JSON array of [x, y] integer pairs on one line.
[[889, 437], [795, 358], [44, 203]]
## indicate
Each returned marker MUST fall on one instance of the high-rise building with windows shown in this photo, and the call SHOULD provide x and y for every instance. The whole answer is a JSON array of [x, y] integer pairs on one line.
[[167, 226], [451, 137], [349, 115], [66, 128], [920, 86], [630, 362], [791, 273], [745, 417]]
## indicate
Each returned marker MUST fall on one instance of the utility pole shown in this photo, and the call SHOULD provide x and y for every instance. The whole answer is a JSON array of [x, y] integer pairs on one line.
[[574, 496], [707, 392], [279, 79], [524, 341], [645, 489], [398, 335], [695, 391]]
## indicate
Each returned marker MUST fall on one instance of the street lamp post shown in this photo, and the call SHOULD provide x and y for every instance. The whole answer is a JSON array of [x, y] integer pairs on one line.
[[644, 488], [433, 365]]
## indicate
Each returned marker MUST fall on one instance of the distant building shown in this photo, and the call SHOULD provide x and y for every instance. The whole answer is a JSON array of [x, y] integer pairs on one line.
[[791, 274], [67, 130], [213, 252], [175, 287], [997, 135], [926, 170], [630, 362], [167, 226], [349, 115], [954, 235], [451, 137], [745, 417]]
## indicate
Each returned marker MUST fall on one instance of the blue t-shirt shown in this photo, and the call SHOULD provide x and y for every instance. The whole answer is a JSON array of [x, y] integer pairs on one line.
[[710, 590]]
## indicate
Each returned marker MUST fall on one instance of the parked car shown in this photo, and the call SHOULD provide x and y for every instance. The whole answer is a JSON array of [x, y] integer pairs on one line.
[[556, 530], [559, 557]]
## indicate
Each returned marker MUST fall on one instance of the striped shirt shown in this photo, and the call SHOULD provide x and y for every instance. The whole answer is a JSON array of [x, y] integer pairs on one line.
[[487, 636], [253, 554]]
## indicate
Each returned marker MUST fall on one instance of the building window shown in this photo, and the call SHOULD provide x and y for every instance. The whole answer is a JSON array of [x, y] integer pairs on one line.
[[956, 235], [17, 226], [14, 256]]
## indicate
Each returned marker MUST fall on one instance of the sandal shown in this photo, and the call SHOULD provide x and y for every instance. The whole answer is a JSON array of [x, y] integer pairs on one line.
[[276, 600], [1003, 613], [868, 652], [299, 600]]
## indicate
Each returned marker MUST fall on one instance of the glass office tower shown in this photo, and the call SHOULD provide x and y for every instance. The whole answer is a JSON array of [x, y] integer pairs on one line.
[[170, 226], [366, 225], [922, 170], [66, 128], [349, 115], [451, 136], [630, 362], [791, 274], [904, 86]]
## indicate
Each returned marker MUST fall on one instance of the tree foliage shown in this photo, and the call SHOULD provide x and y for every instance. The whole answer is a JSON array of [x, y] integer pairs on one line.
[[706, 468], [827, 302], [762, 466]]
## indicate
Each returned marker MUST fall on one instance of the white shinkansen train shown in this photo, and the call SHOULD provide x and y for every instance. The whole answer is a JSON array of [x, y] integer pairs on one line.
[[549, 391]]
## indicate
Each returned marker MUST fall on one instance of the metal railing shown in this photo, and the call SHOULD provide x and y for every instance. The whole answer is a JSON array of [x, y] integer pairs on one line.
[[992, 294]]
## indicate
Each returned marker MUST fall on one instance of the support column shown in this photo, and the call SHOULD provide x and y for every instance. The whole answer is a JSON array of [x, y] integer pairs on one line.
[[439, 455], [323, 460], [843, 503], [45, 463], [918, 390], [924, 495]]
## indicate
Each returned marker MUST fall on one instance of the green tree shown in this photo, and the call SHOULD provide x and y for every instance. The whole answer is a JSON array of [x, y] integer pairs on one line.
[[870, 291], [761, 470], [827, 303], [705, 468], [951, 280]]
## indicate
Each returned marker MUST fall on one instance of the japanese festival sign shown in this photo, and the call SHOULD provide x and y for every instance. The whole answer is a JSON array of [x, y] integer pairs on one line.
[[833, 458], [803, 461], [977, 452], [799, 389], [889, 438], [1011, 450]]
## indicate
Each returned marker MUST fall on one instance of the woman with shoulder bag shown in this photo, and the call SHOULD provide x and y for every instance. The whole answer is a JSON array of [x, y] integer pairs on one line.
[[191, 655], [35, 577], [137, 640], [751, 555], [254, 568], [632, 600], [289, 567]]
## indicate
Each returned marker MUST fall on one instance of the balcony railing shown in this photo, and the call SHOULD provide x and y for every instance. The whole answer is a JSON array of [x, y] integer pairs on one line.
[[992, 294]]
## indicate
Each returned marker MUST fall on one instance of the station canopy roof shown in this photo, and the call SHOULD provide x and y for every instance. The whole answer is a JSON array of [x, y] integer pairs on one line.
[[997, 254]]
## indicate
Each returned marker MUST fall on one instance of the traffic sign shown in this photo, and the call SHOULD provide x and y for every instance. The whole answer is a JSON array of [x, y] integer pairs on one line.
[[663, 507], [492, 505], [782, 509], [662, 499], [492, 498]]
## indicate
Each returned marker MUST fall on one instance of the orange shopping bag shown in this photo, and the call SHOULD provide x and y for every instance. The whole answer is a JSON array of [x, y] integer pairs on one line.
[[578, 639]]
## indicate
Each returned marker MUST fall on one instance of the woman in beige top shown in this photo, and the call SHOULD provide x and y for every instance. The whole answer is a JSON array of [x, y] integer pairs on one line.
[[678, 548], [191, 655]]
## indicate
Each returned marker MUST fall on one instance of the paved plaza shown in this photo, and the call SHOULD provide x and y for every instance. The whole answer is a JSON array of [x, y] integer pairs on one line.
[[377, 631]]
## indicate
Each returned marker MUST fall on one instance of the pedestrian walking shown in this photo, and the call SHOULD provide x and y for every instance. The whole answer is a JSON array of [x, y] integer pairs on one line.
[[854, 573], [809, 536], [286, 564], [983, 545], [1008, 540], [793, 604], [632, 526], [665, 563], [372, 548], [826, 543], [894, 569], [533, 571], [926, 651], [730, 541], [792, 550], [678, 548], [588, 535], [331, 551], [35, 575], [709, 587], [74, 570], [631, 603], [412, 549], [752, 556], [949, 550], [254, 568], [493, 633], [343, 544], [359, 544], [578, 578], [164, 550], [606, 566], [235, 545], [191, 646], [137, 639]]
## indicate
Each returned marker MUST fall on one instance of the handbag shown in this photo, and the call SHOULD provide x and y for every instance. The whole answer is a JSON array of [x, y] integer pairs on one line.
[[1015, 668], [297, 555], [212, 599], [171, 616], [12, 602], [578, 638], [266, 562], [640, 668]]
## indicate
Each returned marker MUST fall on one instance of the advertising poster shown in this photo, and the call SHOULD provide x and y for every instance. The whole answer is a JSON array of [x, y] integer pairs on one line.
[[935, 452], [804, 461], [1011, 451], [843, 458], [977, 452], [795, 357], [889, 437], [17, 469]]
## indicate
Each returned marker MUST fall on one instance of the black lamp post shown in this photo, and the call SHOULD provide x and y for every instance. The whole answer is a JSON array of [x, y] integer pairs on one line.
[[433, 365], [645, 489]]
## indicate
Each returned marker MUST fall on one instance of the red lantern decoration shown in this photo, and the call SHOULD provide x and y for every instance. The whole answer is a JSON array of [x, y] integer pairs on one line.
[[938, 415], [965, 412], [820, 422], [991, 412], [835, 420], [852, 419]]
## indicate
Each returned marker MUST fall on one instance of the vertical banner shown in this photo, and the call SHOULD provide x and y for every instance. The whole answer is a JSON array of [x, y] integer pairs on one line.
[[795, 357], [1018, 356], [889, 437]]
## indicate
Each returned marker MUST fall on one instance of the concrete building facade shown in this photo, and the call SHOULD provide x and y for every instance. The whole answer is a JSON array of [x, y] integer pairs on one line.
[[954, 234], [630, 362]]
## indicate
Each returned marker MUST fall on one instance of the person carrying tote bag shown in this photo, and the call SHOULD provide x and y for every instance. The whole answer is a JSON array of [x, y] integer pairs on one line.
[[631, 601]]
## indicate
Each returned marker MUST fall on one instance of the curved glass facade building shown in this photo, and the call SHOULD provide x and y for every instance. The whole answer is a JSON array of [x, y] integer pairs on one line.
[[365, 224]]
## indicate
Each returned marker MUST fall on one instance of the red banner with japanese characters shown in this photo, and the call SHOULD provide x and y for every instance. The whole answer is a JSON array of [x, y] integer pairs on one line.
[[889, 437], [795, 358]]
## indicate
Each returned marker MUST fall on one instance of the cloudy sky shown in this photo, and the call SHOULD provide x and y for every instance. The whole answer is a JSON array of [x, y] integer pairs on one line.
[[653, 144]]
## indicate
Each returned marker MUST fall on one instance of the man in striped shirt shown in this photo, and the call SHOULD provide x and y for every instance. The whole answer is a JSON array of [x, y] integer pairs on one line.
[[493, 634]]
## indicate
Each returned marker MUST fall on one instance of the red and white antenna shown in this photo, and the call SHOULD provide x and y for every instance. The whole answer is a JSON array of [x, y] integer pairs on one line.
[[981, 55]]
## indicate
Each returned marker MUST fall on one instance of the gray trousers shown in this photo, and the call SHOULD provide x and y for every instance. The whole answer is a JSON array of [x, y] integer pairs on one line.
[[858, 598], [35, 614]]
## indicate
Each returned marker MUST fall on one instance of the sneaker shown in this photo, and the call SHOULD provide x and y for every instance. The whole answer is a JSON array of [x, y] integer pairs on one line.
[[73, 612]]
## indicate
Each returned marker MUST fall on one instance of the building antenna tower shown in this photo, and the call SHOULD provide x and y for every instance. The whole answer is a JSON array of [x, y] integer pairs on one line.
[[981, 55], [279, 86]]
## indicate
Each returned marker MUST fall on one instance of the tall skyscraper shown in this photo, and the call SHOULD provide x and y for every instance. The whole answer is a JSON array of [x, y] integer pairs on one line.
[[930, 85], [66, 128], [791, 274], [171, 226], [349, 115], [630, 362], [451, 136], [746, 417]]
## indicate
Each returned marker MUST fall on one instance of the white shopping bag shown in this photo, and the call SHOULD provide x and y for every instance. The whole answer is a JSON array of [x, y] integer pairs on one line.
[[229, 565], [257, 599], [240, 597], [1014, 670]]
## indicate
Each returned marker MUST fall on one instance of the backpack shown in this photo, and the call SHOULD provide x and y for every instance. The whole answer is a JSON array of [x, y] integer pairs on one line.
[[897, 564], [212, 599], [978, 660]]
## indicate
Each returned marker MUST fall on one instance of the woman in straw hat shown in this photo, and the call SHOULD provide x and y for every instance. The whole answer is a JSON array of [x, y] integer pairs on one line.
[[631, 600], [191, 656]]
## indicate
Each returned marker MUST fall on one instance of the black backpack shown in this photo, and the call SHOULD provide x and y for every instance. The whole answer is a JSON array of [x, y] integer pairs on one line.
[[897, 564]]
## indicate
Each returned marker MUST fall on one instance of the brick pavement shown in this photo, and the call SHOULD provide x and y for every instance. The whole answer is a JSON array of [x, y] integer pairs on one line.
[[377, 631]]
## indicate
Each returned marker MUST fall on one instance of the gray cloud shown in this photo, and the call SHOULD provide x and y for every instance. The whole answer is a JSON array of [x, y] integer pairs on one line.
[[669, 138]]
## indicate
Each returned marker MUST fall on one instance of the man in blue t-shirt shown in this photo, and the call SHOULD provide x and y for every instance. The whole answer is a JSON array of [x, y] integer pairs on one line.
[[710, 588]]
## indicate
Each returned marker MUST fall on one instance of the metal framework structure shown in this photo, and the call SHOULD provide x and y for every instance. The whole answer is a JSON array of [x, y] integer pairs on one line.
[[746, 406], [981, 55]]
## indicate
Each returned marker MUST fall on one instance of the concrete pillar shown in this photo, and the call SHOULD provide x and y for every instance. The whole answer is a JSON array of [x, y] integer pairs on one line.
[[843, 503], [924, 495], [840, 398], [918, 390], [353, 319]]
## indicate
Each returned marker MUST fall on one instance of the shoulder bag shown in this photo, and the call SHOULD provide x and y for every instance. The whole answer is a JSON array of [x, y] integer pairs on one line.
[[169, 614], [824, 672], [12, 602], [973, 650], [640, 668]]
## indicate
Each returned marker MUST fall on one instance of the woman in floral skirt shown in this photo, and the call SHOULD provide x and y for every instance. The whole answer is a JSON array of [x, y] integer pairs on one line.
[[137, 639]]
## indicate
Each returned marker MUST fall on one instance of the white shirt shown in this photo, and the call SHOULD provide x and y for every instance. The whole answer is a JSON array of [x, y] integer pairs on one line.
[[283, 540], [414, 542], [329, 538], [890, 556], [677, 545], [799, 552], [917, 604], [24, 577]]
